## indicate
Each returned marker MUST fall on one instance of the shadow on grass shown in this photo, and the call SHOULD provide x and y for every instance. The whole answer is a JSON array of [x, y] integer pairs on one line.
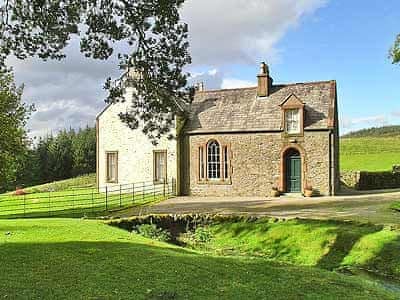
[[346, 238], [115, 270]]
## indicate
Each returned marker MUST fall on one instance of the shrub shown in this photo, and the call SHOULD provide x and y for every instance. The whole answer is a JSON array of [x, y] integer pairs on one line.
[[153, 232]]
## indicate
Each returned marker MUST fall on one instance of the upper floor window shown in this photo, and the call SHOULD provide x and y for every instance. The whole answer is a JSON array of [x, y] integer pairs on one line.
[[112, 167], [293, 110], [292, 120]]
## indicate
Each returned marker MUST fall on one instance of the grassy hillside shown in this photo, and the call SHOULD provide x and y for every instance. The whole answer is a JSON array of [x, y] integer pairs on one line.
[[385, 131], [324, 244], [62, 185], [81, 259], [369, 153]]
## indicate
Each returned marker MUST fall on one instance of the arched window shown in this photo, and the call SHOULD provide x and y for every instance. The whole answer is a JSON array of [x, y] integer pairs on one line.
[[213, 160]]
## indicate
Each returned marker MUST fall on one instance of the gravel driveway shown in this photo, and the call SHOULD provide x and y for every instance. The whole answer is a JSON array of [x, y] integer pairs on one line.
[[373, 207]]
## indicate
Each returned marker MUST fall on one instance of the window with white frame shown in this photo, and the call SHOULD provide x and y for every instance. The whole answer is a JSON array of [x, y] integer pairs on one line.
[[213, 160], [160, 166], [112, 166], [292, 121]]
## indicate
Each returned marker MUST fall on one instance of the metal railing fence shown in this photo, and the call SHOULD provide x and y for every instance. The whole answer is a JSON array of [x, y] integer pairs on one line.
[[81, 202]]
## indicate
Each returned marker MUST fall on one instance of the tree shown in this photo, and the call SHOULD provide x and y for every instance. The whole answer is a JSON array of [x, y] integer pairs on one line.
[[395, 51], [154, 37], [84, 151], [13, 139]]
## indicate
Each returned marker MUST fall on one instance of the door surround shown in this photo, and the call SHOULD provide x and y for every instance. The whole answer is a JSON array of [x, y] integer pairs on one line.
[[284, 153]]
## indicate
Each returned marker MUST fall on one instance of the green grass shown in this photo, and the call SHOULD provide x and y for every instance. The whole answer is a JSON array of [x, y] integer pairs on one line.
[[81, 259], [396, 206], [72, 203], [65, 199], [88, 181], [369, 153], [325, 244]]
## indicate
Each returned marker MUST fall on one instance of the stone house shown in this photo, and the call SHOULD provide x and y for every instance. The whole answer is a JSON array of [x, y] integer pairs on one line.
[[234, 142]]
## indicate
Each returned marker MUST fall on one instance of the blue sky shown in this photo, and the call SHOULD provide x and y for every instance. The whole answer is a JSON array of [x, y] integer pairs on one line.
[[347, 41], [302, 40]]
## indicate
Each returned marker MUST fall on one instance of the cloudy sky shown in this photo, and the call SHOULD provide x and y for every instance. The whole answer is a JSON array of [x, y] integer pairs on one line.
[[302, 40]]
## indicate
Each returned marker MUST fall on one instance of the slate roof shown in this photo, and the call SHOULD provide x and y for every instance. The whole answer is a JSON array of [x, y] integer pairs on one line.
[[241, 110]]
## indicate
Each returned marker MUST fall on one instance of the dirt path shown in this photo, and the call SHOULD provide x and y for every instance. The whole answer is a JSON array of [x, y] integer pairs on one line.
[[372, 208]]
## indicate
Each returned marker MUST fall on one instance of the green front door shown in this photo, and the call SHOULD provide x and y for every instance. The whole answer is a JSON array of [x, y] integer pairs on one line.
[[293, 172]]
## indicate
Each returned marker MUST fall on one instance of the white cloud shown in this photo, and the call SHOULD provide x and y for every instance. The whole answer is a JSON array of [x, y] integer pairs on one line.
[[231, 83], [224, 32], [350, 124], [396, 113]]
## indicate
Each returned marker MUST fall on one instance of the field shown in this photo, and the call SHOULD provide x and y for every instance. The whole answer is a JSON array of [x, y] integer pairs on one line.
[[82, 259], [66, 199], [369, 153]]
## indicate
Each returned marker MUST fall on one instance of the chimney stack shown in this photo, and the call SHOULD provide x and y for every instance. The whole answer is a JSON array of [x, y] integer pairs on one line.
[[264, 81], [199, 87]]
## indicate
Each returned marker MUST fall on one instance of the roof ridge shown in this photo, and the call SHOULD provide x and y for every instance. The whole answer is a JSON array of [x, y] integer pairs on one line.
[[276, 85]]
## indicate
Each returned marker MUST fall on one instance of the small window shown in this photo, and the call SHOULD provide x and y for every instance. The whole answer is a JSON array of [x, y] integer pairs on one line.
[[226, 163], [292, 120], [213, 160], [112, 166], [160, 166], [201, 163]]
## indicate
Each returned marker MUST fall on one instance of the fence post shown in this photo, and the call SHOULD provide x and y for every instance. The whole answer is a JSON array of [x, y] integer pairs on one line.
[[154, 192], [143, 192], [24, 205], [49, 202], [93, 201], [133, 193], [106, 198], [164, 183], [120, 199]]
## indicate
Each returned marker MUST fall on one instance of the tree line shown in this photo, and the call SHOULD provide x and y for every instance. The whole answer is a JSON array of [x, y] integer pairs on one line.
[[68, 154], [54, 157], [385, 131]]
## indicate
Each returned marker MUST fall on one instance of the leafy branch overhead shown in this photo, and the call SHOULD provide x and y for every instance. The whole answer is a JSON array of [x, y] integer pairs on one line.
[[151, 32], [395, 51]]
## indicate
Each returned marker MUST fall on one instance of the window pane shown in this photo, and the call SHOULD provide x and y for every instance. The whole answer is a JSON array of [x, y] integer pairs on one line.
[[292, 117], [226, 173], [111, 166], [201, 162], [160, 165], [213, 160]]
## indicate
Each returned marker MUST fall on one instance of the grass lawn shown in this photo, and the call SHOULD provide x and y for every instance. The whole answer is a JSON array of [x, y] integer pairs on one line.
[[396, 206], [369, 153], [65, 199], [81, 259], [325, 244]]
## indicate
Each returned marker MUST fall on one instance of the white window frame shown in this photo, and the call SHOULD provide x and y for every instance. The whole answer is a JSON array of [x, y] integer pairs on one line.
[[293, 121], [112, 166], [160, 170]]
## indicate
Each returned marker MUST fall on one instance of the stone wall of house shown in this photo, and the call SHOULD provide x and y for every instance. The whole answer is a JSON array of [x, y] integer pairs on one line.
[[256, 162], [135, 151]]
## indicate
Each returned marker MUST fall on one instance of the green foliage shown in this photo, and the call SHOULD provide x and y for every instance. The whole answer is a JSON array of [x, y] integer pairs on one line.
[[385, 131], [201, 235], [151, 231], [89, 260], [153, 38], [395, 51], [396, 206], [369, 153], [13, 140], [325, 244], [67, 155]]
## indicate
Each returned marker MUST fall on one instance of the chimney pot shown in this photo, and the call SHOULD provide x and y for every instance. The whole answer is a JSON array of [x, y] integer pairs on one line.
[[264, 81]]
